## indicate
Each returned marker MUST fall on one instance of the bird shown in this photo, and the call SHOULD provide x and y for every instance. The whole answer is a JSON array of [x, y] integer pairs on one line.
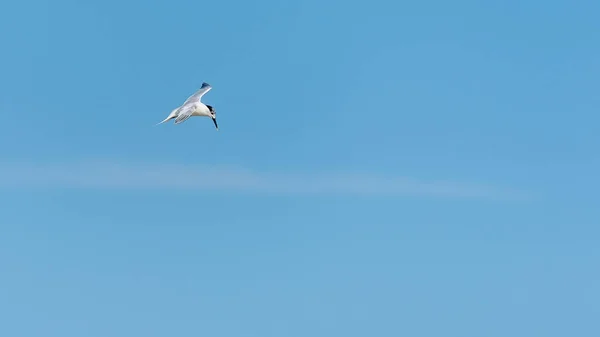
[[194, 107]]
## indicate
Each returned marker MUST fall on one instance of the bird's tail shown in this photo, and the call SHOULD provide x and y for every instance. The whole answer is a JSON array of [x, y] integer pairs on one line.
[[172, 115], [166, 119]]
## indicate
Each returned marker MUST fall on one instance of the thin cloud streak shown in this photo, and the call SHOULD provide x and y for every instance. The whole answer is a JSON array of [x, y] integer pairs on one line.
[[116, 175]]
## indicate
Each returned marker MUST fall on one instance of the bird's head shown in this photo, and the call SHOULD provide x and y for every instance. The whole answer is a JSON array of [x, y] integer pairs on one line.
[[213, 115]]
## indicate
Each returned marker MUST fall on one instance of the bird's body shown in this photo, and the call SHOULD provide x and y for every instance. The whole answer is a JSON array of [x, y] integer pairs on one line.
[[197, 109], [193, 107]]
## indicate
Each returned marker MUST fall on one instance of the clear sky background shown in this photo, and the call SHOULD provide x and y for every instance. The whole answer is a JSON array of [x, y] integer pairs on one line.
[[382, 168]]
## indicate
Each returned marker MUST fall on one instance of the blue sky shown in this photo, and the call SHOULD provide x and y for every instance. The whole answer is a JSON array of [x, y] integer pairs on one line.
[[382, 169]]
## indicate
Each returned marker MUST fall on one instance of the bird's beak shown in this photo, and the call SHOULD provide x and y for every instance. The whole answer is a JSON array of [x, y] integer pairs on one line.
[[214, 119]]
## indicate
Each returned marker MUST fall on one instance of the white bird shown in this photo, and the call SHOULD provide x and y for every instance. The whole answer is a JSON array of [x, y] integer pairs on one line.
[[194, 107]]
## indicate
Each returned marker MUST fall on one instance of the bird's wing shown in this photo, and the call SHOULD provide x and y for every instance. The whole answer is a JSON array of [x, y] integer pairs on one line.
[[184, 113], [198, 94]]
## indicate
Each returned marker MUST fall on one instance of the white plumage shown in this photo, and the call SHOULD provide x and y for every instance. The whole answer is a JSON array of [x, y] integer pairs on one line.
[[193, 106]]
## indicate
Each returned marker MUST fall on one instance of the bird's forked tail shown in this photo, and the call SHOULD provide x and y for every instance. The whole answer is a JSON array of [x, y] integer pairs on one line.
[[172, 115]]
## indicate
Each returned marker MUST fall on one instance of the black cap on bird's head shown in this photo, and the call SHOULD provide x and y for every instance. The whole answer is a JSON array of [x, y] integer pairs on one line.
[[213, 115]]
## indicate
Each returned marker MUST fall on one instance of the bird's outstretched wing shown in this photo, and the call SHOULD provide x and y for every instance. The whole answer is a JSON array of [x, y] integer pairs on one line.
[[184, 113], [198, 94]]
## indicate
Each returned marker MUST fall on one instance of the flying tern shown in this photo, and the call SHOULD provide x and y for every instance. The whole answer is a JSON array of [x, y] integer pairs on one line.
[[194, 107]]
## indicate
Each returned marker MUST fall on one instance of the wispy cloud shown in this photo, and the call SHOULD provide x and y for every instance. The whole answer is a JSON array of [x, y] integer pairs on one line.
[[118, 175]]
